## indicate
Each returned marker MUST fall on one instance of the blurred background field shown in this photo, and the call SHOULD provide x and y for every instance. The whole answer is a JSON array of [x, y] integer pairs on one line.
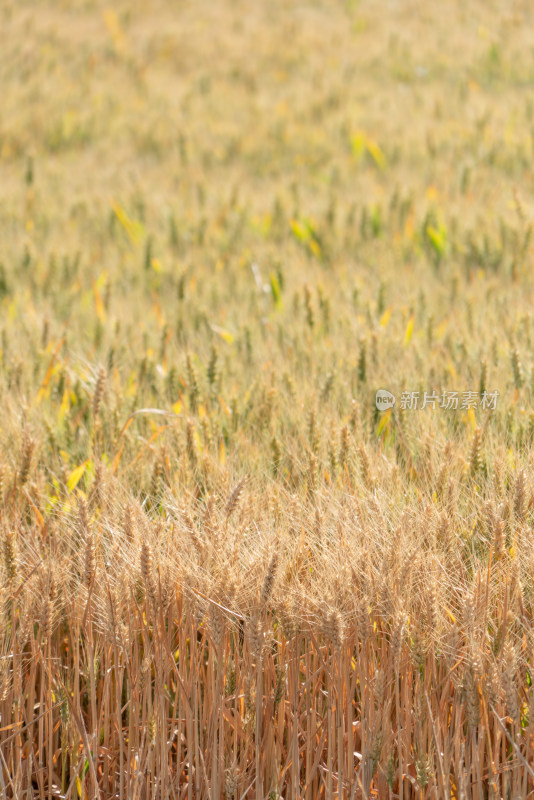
[[224, 227]]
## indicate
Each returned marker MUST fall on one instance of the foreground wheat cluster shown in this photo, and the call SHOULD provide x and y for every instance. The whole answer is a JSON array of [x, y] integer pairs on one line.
[[224, 572]]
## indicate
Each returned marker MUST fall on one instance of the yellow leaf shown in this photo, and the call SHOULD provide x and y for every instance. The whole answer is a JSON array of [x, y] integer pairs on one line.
[[471, 418], [384, 422], [450, 614], [64, 407], [438, 238], [441, 330], [115, 30], [158, 313], [49, 373], [201, 411], [409, 330], [451, 369], [224, 334], [76, 475], [177, 407], [300, 230], [36, 511], [126, 425], [78, 786], [134, 229], [359, 141], [52, 500], [12, 309], [377, 154], [117, 459], [384, 319], [153, 438], [222, 453], [315, 248], [224, 407], [99, 305]]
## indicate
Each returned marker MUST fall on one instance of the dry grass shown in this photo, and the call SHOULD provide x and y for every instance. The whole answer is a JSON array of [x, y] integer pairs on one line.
[[224, 573]]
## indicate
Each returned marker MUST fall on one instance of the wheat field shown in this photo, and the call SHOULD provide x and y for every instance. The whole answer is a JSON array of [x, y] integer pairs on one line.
[[230, 567]]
